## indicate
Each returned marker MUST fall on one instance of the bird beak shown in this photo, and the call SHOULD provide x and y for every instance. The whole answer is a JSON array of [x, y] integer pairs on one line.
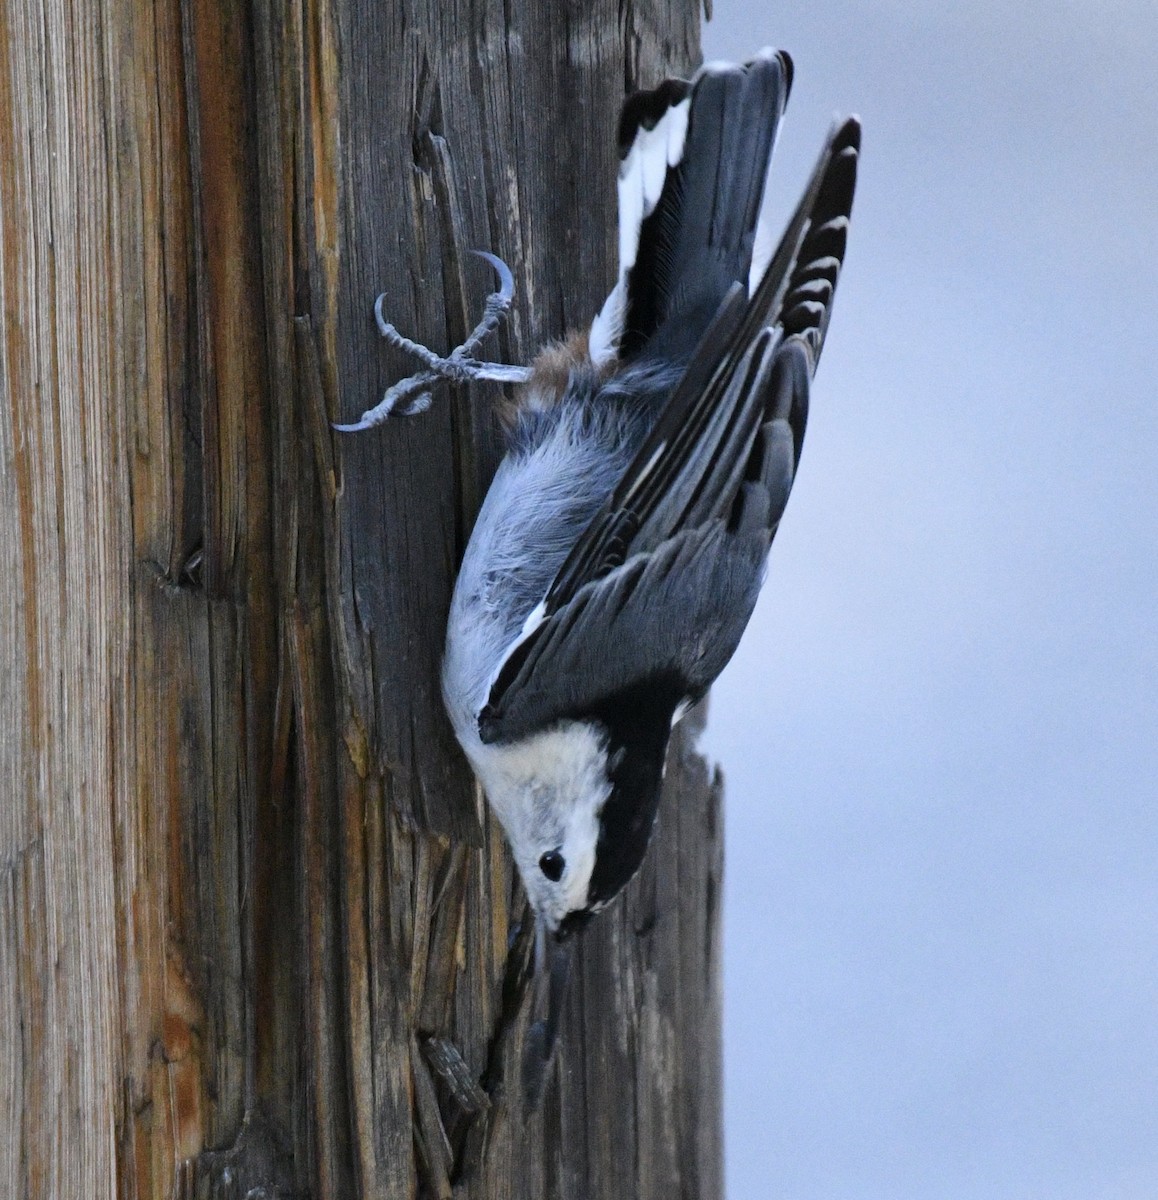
[[541, 934], [553, 956]]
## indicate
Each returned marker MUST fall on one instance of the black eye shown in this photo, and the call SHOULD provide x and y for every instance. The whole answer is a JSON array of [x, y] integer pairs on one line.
[[552, 864]]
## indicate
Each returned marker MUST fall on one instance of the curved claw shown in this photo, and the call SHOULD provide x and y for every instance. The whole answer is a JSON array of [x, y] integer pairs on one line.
[[384, 326], [419, 404], [506, 279], [418, 400]]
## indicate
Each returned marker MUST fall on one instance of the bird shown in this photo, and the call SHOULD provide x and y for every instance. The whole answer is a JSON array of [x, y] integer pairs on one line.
[[622, 544]]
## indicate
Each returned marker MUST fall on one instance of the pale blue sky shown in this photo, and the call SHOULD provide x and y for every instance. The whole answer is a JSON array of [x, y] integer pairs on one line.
[[940, 733]]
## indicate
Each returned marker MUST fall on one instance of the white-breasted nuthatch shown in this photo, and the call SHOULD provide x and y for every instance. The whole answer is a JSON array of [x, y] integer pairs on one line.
[[620, 549]]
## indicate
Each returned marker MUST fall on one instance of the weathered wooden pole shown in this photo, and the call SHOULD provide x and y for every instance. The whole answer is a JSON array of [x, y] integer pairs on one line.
[[258, 936]]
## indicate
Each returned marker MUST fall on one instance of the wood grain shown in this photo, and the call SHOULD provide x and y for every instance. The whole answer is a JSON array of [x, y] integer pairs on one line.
[[258, 934]]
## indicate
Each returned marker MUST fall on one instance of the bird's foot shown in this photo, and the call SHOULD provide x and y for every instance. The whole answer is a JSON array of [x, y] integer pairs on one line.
[[412, 395]]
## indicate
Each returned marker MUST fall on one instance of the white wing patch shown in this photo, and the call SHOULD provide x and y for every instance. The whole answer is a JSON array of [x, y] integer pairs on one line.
[[533, 621], [643, 172], [641, 178], [607, 328]]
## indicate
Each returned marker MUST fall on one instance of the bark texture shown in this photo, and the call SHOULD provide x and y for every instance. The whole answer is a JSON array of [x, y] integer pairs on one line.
[[258, 936]]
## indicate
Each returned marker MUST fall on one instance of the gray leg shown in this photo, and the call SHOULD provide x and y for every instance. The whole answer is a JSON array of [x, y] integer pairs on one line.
[[412, 395]]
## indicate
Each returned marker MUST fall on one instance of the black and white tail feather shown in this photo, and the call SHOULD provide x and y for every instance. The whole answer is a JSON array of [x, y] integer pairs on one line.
[[689, 197], [620, 549]]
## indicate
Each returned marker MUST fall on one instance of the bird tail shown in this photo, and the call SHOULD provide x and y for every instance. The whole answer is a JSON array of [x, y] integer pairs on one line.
[[694, 157]]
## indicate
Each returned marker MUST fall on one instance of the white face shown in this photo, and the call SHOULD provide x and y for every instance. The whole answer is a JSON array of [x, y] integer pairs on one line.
[[548, 791]]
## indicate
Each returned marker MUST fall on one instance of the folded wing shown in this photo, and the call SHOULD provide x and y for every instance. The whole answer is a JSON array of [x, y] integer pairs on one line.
[[661, 584]]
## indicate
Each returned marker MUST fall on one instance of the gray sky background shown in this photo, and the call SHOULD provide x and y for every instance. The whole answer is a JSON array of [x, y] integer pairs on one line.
[[940, 733]]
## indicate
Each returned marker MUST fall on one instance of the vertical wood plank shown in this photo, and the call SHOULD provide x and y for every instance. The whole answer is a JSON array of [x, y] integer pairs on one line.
[[64, 606]]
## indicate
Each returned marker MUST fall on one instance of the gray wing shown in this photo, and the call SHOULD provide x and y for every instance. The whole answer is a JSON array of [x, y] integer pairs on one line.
[[662, 582]]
